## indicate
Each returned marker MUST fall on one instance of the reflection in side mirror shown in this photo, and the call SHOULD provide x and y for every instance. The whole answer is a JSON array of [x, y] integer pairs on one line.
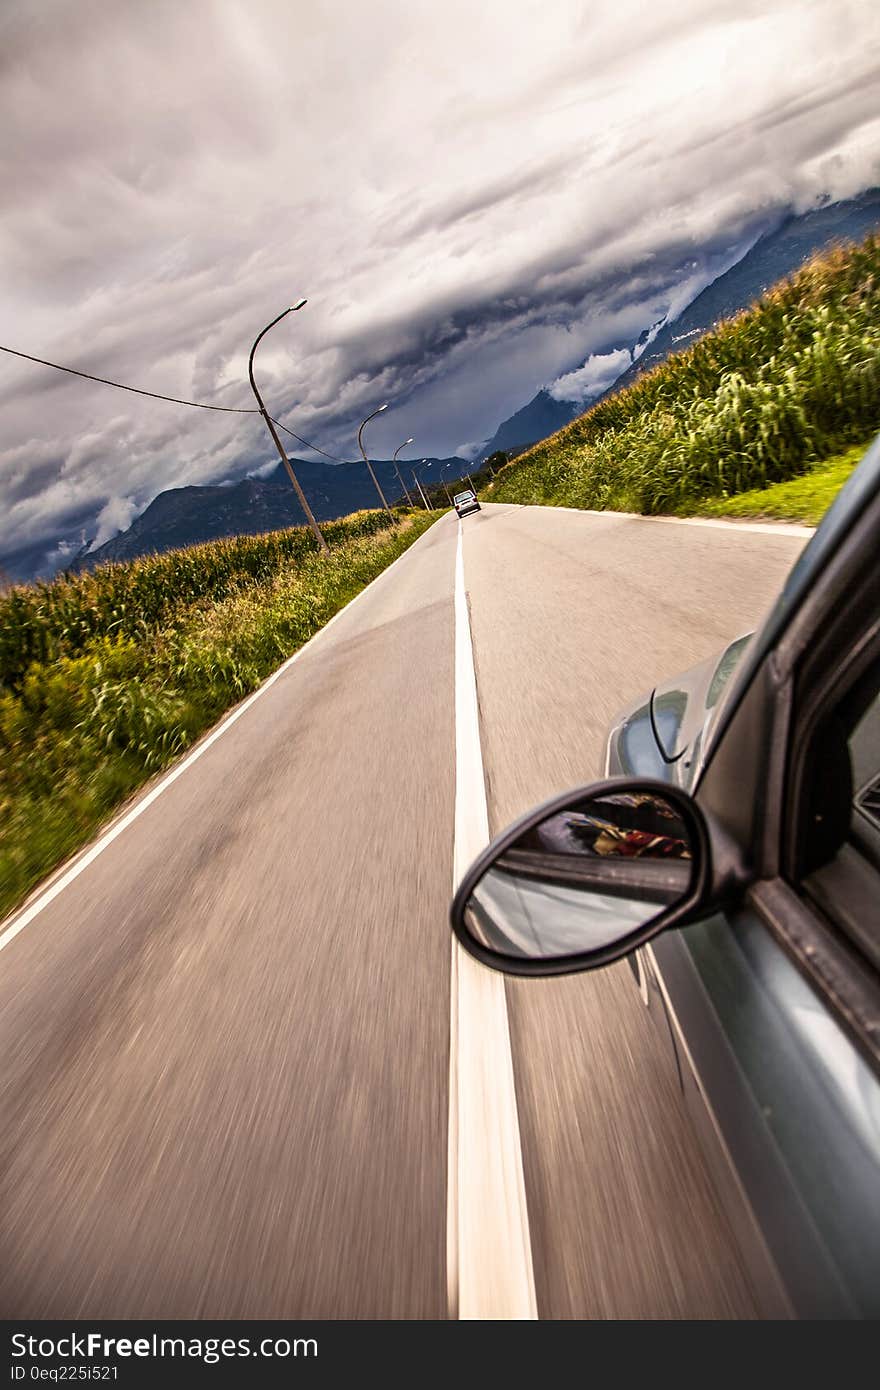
[[584, 879]]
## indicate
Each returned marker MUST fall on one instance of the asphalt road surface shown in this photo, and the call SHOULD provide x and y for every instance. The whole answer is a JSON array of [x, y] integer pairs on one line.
[[226, 1041]]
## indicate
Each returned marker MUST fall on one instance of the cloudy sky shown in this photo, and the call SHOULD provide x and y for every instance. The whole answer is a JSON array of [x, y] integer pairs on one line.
[[477, 198]]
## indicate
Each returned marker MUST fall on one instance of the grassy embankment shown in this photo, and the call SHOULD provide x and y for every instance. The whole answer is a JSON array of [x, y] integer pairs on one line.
[[805, 499], [792, 383], [106, 678]]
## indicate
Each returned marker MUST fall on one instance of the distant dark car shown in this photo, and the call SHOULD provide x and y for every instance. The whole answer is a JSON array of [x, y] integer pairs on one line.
[[757, 945], [465, 502]]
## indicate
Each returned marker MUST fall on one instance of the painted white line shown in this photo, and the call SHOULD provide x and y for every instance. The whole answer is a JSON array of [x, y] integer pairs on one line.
[[767, 528], [18, 921], [772, 528], [489, 1251]]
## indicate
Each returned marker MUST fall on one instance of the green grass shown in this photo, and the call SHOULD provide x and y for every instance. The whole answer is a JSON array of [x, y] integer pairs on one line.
[[85, 728], [41, 622], [805, 499], [758, 401]]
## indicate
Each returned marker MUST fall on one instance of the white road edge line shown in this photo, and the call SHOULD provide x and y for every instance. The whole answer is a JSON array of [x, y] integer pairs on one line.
[[772, 528], [488, 1246], [18, 921]]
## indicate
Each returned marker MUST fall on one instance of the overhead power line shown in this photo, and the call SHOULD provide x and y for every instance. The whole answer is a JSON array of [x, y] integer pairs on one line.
[[175, 400], [306, 442], [199, 405]]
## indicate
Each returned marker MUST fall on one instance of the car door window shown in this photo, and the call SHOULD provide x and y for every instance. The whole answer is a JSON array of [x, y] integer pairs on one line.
[[865, 752], [842, 835]]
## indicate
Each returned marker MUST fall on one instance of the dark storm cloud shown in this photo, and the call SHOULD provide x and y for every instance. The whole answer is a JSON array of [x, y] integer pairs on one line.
[[476, 200]]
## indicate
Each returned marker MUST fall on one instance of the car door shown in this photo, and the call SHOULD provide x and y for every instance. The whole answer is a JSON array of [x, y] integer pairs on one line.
[[768, 958], [775, 1003]]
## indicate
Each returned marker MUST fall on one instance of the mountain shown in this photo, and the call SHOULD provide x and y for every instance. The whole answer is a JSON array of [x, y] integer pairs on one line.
[[775, 255], [542, 416], [188, 515]]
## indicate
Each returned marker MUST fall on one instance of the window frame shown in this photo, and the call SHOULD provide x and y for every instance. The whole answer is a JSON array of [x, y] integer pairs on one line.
[[751, 781], [829, 649]]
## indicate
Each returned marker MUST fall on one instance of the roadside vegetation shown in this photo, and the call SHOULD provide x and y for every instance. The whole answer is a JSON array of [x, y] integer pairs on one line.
[[787, 384], [105, 678], [42, 622], [805, 499]]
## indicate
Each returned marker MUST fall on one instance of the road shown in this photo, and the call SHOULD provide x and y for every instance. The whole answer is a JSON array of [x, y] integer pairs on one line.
[[226, 1039]]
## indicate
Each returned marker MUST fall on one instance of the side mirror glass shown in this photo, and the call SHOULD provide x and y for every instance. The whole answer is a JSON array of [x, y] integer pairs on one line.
[[584, 879]]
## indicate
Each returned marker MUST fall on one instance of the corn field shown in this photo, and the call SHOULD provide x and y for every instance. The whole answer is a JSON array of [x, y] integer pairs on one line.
[[756, 401], [44, 622]]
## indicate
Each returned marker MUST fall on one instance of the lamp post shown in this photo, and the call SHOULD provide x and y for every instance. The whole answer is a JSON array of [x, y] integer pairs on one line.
[[397, 470], [271, 428], [444, 482], [424, 464], [367, 461], [421, 490]]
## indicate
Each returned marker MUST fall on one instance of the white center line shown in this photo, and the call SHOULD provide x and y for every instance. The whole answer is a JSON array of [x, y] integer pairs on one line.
[[489, 1251]]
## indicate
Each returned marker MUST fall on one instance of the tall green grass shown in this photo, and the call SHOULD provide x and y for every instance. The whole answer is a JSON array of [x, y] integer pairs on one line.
[[784, 384], [805, 499], [85, 727], [43, 622]]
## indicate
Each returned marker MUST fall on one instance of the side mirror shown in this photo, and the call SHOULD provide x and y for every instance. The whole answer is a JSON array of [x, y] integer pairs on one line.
[[586, 878]]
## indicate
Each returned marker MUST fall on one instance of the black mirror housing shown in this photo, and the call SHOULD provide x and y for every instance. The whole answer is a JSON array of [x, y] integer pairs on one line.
[[604, 867]]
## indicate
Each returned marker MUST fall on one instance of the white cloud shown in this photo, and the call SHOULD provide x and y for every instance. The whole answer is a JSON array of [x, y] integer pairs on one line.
[[115, 516], [598, 373], [470, 451], [59, 556]]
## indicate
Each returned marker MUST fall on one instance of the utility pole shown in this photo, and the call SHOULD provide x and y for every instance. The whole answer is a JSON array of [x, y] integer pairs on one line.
[[397, 470], [421, 490], [367, 461], [424, 464], [445, 485], [271, 428]]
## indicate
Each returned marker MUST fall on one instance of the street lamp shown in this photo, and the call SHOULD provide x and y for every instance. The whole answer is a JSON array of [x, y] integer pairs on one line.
[[397, 470], [446, 465], [271, 428], [367, 461], [421, 489], [424, 464]]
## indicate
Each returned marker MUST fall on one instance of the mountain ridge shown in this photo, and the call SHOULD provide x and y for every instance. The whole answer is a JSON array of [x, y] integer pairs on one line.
[[775, 255], [187, 515], [194, 513]]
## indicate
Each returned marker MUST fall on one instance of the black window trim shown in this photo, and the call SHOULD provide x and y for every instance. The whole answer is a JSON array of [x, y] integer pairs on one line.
[[829, 649], [826, 617]]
